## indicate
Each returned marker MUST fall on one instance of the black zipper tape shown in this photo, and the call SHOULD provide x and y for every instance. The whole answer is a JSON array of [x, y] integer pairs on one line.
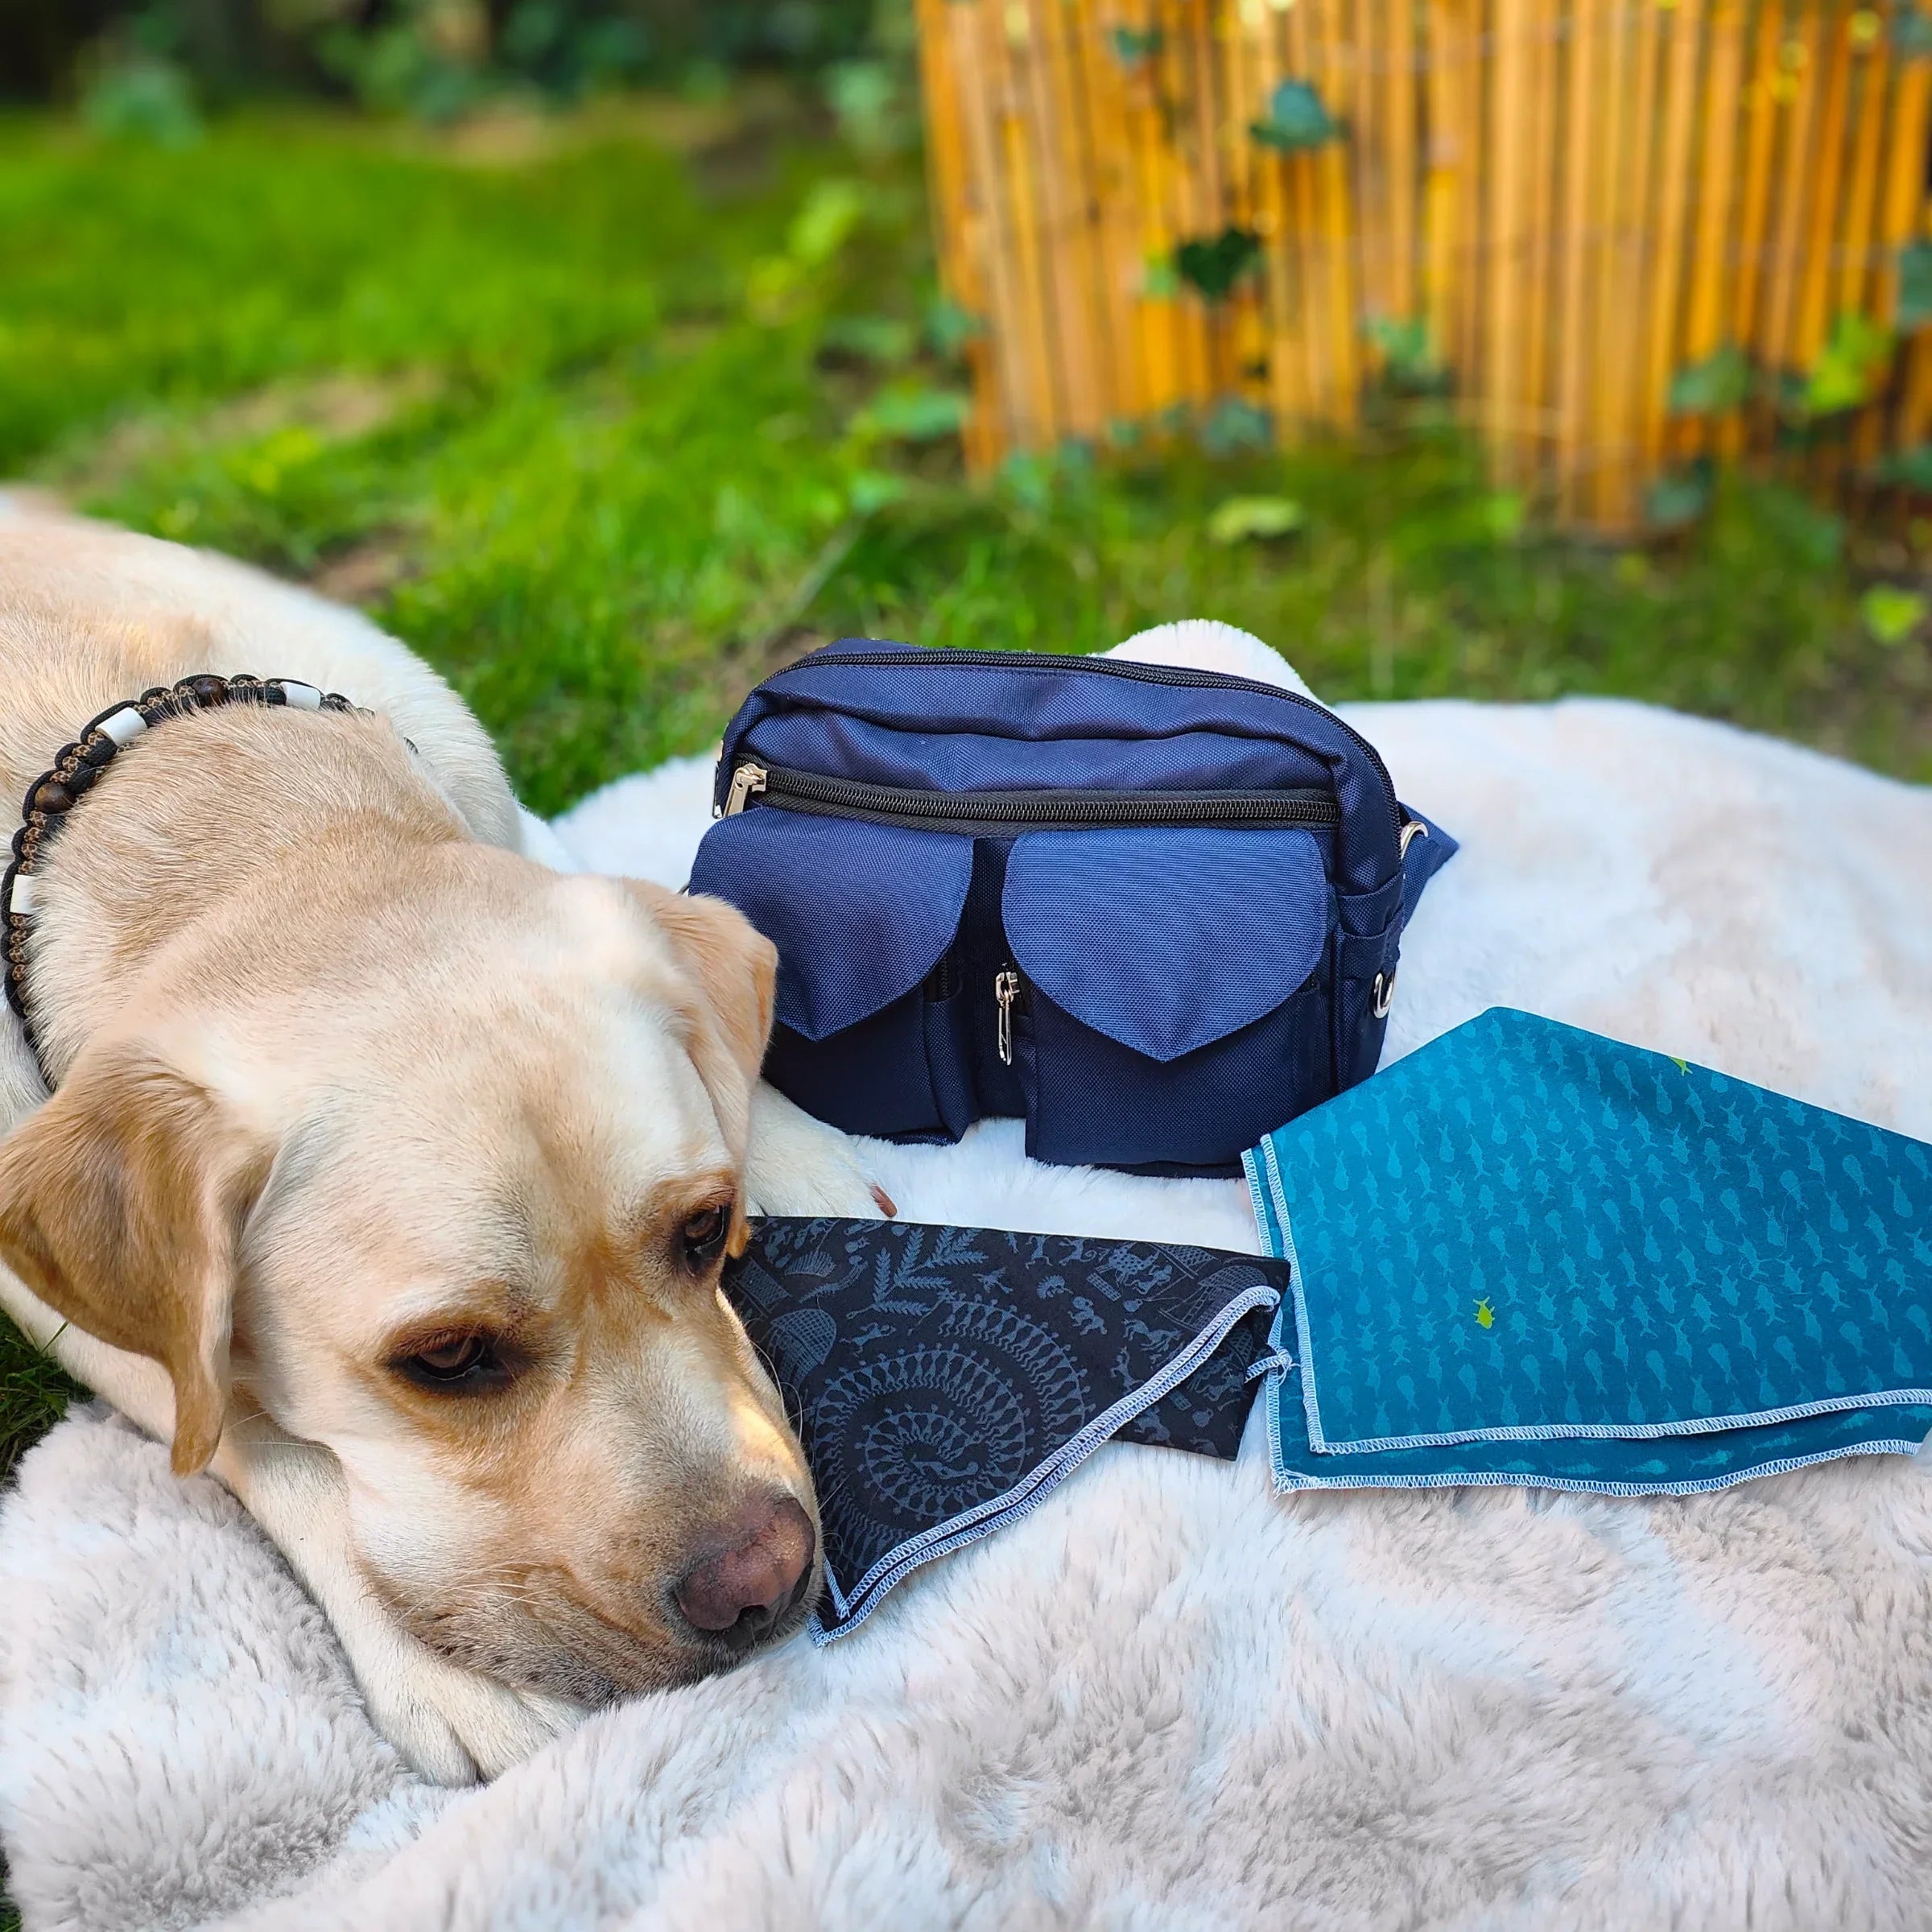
[[995, 814]]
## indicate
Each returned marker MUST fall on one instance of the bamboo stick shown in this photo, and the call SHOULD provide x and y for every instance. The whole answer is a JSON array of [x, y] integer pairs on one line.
[[1861, 190], [1442, 189], [1403, 184], [1241, 105], [1032, 273], [1197, 178], [1541, 187], [1111, 156], [1287, 353], [1635, 250], [959, 243], [1704, 318], [1576, 325], [1160, 318], [1309, 216], [1776, 338], [1680, 114], [1337, 189], [1860, 267], [1503, 280], [1475, 118], [1356, 94], [1764, 118], [1608, 295], [1901, 220], [1047, 118], [1012, 420], [1815, 270]]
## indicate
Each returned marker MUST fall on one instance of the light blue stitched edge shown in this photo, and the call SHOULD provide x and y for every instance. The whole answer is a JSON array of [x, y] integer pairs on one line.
[[1256, 1199], [1291, 1479], [1037, 1485], [1626, 1432], [1272, 1394], [1322, 1444]]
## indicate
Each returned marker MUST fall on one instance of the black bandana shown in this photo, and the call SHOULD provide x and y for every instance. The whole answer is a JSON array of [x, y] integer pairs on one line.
[[944, 1379]]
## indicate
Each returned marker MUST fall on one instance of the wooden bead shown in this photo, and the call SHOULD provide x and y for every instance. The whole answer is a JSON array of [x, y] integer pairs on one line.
[[50, 796]]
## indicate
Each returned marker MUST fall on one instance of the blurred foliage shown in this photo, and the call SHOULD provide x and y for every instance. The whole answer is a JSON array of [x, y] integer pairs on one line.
[[148, 66]]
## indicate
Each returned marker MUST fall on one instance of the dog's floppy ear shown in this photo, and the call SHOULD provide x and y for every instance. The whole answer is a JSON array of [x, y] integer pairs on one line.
[[736, 970], [121, 1202]]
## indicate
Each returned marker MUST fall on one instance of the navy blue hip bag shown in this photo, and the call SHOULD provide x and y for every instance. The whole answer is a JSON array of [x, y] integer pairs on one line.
[[1154, 912]]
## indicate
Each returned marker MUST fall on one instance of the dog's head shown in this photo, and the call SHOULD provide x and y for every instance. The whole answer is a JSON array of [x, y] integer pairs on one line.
[[445, 1184]]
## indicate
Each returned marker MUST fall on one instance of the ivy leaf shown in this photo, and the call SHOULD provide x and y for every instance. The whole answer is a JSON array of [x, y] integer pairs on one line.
[[1910, 468], [1409, 357], [1677, 499], [1914, 309], [884, 340], [1161, 282], [1912, 33], [1296, 119], [1721, 381], [949, 326], [1891, 614], [1245, 519], [1131, 47], [1233, 425], [1851, 366], [913, 415], [1215, 264]]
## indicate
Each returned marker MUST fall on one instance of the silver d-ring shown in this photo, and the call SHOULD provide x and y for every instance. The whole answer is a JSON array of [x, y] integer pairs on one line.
[[1412, 830], [1382, 995]]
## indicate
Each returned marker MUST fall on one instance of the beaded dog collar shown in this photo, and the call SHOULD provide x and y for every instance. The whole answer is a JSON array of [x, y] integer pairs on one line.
[[54, 793]]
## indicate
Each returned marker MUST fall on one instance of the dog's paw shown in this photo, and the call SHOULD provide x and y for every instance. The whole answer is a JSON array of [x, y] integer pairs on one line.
[[795, 1165], [453, 1725]]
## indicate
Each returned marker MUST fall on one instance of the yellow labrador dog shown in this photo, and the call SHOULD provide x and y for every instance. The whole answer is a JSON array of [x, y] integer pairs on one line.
[[386, 1172]]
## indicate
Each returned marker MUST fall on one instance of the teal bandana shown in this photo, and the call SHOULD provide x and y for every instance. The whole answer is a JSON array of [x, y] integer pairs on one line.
[[1528, 1254]]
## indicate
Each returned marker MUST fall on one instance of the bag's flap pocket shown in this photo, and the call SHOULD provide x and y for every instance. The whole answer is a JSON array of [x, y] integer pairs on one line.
[[1164, 940], [859, 913]]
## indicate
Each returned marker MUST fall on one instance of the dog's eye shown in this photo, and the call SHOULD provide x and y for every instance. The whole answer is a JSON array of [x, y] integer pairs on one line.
[[703, 1235], [468, 1364]]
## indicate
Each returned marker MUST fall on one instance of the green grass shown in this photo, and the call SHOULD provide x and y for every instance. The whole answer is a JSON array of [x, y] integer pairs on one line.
[[609, 417]]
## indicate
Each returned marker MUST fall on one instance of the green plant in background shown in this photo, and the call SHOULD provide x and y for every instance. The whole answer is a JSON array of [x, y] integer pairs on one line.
[[1133, 45], [1410, 366], [1852, 368], [1913, 308], [1721, 383], [1675, 499], [1892, 614], [1248, 519], [1297, 119], [1214, 263]]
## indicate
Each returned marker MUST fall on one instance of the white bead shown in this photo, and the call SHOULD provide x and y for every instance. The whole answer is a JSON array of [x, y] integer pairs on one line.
[[26, 889], [124, 724], [304, 697]]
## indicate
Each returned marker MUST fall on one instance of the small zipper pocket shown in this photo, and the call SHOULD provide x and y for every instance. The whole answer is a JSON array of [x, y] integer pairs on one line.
[[1008, 813]]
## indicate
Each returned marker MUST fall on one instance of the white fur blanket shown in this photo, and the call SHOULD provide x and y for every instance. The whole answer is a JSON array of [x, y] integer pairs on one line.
[[1168, 1699]]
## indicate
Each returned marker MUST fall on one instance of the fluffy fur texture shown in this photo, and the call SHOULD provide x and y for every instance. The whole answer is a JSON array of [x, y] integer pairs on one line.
[[1168, 1699]]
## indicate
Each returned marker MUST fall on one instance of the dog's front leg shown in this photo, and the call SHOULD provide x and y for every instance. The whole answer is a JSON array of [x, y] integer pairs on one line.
[[796, 1165], [453, 1725]]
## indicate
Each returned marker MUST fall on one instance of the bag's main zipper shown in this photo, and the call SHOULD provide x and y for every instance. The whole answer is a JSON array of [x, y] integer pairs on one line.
[[1114, 667], [1012, 812]]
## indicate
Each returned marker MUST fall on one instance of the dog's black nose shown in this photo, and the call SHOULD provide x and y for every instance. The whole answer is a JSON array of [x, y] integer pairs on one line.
[[756, 1567]]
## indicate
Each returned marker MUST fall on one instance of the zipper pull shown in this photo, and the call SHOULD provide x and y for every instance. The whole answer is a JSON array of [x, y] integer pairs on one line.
[[744, 781], [1006, 992]]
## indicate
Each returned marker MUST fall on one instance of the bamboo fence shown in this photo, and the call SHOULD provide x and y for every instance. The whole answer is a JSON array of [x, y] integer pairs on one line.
[[1555, 209]]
